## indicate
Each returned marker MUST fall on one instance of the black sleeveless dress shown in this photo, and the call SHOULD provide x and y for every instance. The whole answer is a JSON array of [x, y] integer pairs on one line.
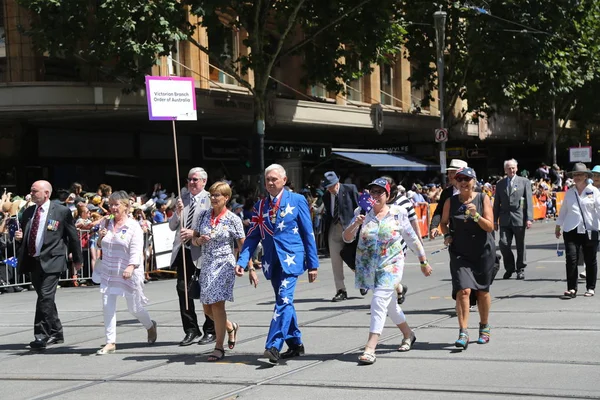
[[472, 251]]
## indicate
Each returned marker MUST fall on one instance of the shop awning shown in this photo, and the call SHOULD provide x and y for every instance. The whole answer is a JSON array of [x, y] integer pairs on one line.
[[384, 160]]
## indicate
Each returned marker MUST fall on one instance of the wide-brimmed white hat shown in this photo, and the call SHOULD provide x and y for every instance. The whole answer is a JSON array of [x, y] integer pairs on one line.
[[456, 164]]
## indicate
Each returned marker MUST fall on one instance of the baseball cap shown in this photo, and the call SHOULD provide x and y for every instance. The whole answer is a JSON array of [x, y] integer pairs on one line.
[[382, 183]]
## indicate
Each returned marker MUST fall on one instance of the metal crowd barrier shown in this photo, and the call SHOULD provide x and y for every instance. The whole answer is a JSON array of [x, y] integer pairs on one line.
[[9, 277]]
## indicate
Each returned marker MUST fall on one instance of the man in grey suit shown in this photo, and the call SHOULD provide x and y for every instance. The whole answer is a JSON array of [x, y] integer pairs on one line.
[[513, 213], [184, 221]]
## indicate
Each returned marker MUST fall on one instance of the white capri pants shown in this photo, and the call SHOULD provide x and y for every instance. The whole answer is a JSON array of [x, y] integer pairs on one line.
[[109, 307], [384, 303]]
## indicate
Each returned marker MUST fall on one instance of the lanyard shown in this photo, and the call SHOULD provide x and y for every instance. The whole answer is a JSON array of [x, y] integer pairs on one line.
[[214, 221]]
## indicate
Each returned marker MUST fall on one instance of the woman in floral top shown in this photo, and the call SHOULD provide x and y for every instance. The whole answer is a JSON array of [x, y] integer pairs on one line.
[[380, 263]]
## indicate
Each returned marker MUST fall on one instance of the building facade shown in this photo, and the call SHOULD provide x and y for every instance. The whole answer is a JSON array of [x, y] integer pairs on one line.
[[63, 123]]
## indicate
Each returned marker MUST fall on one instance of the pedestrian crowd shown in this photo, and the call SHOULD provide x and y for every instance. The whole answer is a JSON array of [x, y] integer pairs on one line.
[[218, 239]]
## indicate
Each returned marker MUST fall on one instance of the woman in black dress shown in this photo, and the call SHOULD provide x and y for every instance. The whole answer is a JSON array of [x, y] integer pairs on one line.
[[467, 225]]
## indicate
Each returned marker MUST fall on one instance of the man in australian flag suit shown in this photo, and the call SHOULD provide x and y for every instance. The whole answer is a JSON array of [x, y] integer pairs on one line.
[[282, 223]]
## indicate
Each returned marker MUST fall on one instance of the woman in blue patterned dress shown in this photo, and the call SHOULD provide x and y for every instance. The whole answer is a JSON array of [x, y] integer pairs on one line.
[[380, 263], [218, 228]]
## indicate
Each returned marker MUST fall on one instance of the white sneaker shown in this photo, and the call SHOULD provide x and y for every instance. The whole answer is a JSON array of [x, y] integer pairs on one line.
[[582, 275], [589, 293]]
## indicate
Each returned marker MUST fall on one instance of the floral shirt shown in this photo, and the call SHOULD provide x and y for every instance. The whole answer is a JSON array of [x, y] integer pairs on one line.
[[379, 255]]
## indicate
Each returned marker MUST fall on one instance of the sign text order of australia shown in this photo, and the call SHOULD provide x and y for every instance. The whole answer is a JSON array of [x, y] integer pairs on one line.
[[174, 97]]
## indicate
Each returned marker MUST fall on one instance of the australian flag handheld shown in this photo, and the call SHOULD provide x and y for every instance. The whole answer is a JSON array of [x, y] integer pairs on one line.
[[366, 202], [13, 226]]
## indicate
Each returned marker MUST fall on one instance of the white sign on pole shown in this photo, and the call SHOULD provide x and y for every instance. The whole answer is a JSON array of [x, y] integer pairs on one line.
[[443, 162], [441, 135], [171, 98], [580, 154], [162, 239]]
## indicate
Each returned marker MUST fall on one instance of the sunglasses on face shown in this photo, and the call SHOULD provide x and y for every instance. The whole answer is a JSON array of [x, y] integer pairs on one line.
[[377, 192], [193, 179], [463, 179]]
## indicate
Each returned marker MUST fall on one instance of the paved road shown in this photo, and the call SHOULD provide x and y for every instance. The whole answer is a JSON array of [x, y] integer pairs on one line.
[[541, 347]]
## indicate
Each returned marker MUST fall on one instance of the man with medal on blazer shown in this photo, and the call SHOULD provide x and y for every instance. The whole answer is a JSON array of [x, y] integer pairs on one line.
[[513, 214], [282, 222], [47, 236]]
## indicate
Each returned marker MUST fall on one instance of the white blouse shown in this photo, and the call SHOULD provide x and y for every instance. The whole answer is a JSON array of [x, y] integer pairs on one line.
[[581, 215]]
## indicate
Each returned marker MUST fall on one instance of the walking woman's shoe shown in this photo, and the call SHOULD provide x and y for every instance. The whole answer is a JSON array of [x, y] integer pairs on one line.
[[569, 294], [216, 357], [109, 348], [463, 341], [152, 334], [367, 358], [484, 333], [407, 343], [234, 330]]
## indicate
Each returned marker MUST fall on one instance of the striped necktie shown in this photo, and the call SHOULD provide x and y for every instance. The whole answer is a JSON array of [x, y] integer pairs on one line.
[[190, 216]]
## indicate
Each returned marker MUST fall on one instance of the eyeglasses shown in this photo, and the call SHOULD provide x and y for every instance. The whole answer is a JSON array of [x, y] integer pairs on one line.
[[216, 195], [193, 179], [463, 179], [377, 192]]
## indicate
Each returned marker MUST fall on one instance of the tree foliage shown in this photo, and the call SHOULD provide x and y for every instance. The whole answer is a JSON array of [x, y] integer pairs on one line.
[[515, 55]]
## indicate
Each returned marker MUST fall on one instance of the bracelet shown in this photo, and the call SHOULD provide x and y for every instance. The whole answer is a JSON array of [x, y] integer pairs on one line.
[[251, 269], [424, 263], [476, 217]]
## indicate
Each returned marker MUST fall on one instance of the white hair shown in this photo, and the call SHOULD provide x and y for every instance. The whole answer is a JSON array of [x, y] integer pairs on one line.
[[198, 170], [276, 167], [511, 161]]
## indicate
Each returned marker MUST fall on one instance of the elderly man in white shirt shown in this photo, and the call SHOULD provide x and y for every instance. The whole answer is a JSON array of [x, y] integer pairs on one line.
[[580, 221]]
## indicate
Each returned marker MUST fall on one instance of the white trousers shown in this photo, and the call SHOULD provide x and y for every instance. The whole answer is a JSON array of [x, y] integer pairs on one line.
[[336, 243], [109, 307], [384, 303]]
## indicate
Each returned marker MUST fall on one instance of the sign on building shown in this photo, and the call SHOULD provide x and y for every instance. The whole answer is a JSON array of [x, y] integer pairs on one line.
[[580, 154]]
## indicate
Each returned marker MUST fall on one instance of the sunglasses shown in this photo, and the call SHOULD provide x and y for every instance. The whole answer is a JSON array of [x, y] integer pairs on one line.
[[377, 192], [463, 179], [193, 179]]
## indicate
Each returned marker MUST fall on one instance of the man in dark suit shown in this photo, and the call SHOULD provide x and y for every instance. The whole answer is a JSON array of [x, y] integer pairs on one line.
[[49, 235], [340, 201], [194, 199], [513, 213]]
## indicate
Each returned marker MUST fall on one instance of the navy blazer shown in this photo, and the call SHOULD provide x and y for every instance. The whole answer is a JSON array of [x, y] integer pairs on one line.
[[347, 203]]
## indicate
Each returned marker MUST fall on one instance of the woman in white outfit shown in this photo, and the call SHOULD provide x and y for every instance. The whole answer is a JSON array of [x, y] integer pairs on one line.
[[380, 263], [121, 240]]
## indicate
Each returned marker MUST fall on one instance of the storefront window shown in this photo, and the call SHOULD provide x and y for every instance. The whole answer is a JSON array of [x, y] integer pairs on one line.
[[385, 85]]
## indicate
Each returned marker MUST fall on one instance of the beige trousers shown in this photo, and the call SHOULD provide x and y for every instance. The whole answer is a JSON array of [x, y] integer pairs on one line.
[[336, 243]]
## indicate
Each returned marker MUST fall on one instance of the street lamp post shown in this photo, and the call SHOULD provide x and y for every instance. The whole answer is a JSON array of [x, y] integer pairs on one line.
[[439, 17]]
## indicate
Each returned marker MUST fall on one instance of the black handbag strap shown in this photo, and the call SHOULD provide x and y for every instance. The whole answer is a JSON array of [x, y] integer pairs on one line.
[[580, 210]]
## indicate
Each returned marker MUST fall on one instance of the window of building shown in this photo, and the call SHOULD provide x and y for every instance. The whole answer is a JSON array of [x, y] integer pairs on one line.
[[385, 84], [417, 94], [354, 88], [225, 44], [174, 60], [318, 91]]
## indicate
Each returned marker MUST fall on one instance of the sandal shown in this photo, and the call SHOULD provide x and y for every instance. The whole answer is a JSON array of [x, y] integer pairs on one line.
[[407, 343], [569, 294], [484, 333], [462, 341], [231, 343], [402, 295], [214, 357], [367, 358]]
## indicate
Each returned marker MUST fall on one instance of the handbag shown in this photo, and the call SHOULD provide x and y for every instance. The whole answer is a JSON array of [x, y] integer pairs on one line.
[[348, 252], [194, 285]]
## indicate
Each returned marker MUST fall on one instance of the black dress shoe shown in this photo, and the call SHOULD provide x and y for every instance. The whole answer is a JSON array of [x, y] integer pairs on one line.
[[17, 289], [207, 338], [272, 355], [293, 352], [363, 292], [38, 344], [189, 338], [507, 275], [340, 295], [55, 339], [521, 275]]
